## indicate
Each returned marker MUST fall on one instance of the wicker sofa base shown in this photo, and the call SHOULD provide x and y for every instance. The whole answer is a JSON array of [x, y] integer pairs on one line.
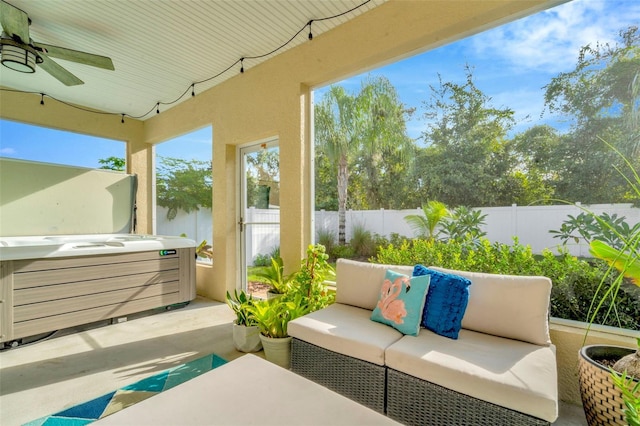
[[358, 380], [414, 401]]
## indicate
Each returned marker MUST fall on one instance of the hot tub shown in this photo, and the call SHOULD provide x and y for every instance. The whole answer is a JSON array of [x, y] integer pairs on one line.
[[49, 283]]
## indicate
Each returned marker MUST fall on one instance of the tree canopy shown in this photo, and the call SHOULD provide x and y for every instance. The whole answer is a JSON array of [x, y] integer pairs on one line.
[[469, 155], [183, 185], [359, 133]]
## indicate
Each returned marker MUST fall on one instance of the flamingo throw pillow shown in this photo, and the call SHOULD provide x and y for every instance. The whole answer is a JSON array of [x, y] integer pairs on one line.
[[401, 302]]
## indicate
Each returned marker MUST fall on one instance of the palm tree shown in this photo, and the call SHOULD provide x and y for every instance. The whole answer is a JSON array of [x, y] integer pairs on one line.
[[425, 226], [367, 124]]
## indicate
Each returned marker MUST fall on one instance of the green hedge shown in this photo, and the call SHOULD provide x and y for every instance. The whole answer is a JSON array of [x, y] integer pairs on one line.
[[575, 281]]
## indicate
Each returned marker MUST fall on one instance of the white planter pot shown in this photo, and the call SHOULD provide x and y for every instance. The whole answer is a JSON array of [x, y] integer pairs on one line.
[[246, 339], [277, 350]]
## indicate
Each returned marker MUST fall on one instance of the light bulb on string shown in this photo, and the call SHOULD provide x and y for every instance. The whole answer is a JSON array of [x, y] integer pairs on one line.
[[310, 36]]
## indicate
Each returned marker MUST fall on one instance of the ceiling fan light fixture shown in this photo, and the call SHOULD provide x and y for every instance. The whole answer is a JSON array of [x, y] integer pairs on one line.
[[16, 57]]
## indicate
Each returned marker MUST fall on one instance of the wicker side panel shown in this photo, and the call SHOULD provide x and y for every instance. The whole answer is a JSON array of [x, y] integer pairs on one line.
[[602, 401], [413, 401], [358, 380]]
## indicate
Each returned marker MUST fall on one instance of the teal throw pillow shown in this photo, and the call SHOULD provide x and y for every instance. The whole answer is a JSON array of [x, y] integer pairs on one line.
[[447, 301], [401, 302]]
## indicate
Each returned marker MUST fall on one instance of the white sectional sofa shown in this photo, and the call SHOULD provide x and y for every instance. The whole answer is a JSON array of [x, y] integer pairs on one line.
[[501, 370]]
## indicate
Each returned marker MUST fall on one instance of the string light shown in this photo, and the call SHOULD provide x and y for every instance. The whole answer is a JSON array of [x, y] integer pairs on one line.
[[193, 93]]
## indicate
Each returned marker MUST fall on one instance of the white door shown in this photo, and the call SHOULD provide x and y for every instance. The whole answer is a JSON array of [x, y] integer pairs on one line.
[[259, 222]]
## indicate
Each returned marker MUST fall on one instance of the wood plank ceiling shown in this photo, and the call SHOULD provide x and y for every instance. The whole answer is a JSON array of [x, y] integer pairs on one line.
[[160, 47]]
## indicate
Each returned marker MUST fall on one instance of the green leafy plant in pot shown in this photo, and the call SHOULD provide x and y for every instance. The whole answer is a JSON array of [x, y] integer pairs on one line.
[[610, 375], [307, 292], [274, 277], [310, 280], [273, 316], [246, 334]]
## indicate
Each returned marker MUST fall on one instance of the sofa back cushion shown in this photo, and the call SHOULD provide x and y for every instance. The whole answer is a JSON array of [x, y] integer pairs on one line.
[[359, 283], [516, 307]]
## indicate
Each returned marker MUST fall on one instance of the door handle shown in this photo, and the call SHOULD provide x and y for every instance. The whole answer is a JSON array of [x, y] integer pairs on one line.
[[241, 223]]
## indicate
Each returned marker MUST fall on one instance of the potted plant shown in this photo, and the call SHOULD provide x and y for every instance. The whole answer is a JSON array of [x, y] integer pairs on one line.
[[273, 316], [610, 375], [246, 334], [630, 390], [274, 277], [306, 292], [309, 280]]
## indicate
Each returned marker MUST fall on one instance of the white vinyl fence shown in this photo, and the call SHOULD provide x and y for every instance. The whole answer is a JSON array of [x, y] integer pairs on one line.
[[197, 225], [530, 224]]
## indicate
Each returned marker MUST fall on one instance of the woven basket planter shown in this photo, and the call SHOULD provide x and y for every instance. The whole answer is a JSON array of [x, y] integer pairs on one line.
[[601, 400]]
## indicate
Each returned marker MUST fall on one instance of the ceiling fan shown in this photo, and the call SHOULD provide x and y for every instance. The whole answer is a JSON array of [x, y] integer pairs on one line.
[[20, 53]]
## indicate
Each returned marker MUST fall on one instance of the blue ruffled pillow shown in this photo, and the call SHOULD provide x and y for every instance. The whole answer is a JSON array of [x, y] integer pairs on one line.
[[446, 302], [401, 302]]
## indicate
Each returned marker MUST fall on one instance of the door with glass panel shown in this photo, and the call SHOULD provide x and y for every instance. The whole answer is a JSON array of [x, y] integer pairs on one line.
[[259, 213]]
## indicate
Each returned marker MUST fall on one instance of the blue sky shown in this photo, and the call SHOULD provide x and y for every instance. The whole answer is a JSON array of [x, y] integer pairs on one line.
[[511, 64]]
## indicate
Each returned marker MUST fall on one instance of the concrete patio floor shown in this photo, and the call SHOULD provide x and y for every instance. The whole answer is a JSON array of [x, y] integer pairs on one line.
[[83, 363]]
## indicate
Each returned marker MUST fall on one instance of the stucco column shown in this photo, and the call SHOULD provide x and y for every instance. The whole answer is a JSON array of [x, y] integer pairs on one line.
[[140, 162], [225, 269], [295, 182]]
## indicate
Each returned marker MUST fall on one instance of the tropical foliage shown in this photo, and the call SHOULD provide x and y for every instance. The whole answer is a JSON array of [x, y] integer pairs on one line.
[[241, 303], [426, 225], [272, 275], [305, 291], [359, 132]]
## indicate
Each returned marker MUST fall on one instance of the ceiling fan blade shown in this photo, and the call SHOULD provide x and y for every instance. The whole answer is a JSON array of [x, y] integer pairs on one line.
[[76, 56], [58, 72], [14, 21]]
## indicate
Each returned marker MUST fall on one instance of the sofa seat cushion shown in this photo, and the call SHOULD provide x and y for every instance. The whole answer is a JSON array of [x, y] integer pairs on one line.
[[346, 330], [509, 373]]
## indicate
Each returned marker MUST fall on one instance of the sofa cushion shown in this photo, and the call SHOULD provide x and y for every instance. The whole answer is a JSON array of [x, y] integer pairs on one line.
[[358, 283], [513, 374], [347, 330], [446, 301], [401, 302], [516, 307]]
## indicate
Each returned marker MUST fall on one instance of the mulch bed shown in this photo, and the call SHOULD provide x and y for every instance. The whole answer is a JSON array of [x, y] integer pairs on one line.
[[257, 289]]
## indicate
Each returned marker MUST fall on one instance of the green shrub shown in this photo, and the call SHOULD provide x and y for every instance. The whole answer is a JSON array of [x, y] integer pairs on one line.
[[327, 239], [345, 252], [265, 259], [464, 222], [362, 241], [262, 260], [575, 281]]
